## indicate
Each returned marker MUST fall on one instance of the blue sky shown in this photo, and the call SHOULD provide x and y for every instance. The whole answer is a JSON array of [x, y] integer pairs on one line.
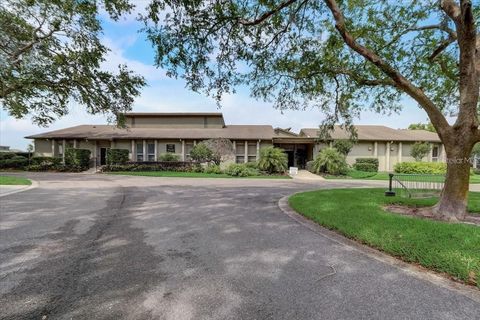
[[167, 95]]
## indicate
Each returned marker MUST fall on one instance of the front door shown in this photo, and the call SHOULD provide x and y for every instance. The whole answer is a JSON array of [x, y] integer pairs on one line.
[[103, 156]]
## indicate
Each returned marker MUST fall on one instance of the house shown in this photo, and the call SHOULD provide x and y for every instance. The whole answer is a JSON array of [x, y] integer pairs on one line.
[[148, 135]]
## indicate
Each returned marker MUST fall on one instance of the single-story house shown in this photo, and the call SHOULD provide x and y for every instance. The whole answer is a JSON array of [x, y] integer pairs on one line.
[[148, 135]]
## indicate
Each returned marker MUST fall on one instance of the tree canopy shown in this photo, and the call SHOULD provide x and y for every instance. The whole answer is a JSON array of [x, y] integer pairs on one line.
[[51, 54], [422, 126]]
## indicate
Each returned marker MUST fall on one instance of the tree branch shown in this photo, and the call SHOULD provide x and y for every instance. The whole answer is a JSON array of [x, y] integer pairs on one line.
[[437, 118], [267, 14], [451, 9]]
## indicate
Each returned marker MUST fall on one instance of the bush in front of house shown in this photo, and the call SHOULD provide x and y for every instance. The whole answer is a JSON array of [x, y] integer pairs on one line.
[[273, 160], [420, 150], [13, 162], [343, 146], [420, 167], [6, 155], [366, 164], [241, 170], [77, 158], [178, 166], [213, 168], [330, 161], [201, 153], [117, 156], [309, 165], [169, 156]]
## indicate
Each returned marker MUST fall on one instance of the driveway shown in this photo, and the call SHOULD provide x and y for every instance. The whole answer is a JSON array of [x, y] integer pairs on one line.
[[111, 247]]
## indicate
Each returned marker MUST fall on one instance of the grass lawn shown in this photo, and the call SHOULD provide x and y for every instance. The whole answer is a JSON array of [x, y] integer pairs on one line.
[[353, 174], [358, 214], [191, 175], [9, 180]]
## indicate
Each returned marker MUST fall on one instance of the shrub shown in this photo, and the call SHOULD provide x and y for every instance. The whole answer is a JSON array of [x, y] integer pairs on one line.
[[179, 166], [343, 146], [420, 150], [421, 167], [309, 165], [240, 170], [213, 168], [220, 148], [366, 164], [273, 160], [6, 155], [51, 161], [169, 156], [15, 162], [78, 158], [117, 156], [252, 165], [201, 153], [330, 161]]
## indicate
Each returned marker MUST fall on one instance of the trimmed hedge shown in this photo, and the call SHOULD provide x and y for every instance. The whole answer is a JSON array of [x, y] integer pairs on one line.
[[77, 158], [14, 162], [421, 167], [6, 155], [241, 170], [366, 164], [169, 157], [179, 166], [117, 156], [46, 161]]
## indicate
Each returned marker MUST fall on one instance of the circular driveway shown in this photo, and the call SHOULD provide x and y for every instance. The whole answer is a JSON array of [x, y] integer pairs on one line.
[[116, 247]]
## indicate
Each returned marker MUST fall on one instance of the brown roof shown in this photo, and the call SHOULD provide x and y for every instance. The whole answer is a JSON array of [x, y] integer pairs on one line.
[[377, 133], [107, 132], [173, 114]]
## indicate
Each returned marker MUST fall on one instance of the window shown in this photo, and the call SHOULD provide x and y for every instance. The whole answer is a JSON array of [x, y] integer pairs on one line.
[[435, 154], [240, 159], [170, 148], [139, 149], [60, 150], [252, 158], [151, 152]]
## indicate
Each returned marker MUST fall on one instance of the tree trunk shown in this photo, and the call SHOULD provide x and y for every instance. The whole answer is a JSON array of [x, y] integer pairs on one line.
[[452, 205]]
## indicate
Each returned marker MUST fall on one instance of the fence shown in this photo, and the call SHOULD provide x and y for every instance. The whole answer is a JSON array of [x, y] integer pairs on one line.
[[415, 185]]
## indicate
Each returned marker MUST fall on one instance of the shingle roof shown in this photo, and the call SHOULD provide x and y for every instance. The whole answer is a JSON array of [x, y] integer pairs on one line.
[[173, 114], [107, 132], [377, 133]]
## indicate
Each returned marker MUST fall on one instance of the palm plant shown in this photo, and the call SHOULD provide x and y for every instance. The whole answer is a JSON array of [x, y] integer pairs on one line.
[[329, 160], [273, 160]]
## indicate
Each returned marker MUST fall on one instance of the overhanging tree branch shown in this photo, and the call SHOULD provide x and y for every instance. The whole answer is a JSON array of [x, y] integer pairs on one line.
[[437, 118], [267, 14]]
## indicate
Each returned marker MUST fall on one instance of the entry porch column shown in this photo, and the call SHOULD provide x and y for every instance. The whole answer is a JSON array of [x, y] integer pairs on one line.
[[132, 154], [387, 157], [400, 151]]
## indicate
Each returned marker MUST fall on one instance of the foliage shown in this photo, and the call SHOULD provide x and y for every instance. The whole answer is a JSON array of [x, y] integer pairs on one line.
[[420, 150], [366, 164], [6, 155], [421, 167], [117, 156], [241, 170], [52, 161], [343, 146], [476, 150], [359, 214], [51, 55], [220, 147], [212, 168], [78, 158], [179, 166], [357, 174], [330, 161], [309, 165], [273, 160], [422, 126], [169, 156], [14, 162], [201, 153]]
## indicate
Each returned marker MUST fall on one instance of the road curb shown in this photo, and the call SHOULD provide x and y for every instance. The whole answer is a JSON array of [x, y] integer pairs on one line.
[[417, 272], [34, 185]]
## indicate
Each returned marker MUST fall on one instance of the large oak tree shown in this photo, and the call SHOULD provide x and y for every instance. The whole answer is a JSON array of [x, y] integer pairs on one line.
[[339, 56], [51, 55]]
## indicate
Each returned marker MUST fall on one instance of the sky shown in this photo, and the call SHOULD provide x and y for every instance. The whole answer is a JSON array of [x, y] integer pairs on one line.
[[163, 94]]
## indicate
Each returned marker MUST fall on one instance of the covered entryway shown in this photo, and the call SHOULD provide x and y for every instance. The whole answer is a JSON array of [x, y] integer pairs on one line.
[[298, 153]]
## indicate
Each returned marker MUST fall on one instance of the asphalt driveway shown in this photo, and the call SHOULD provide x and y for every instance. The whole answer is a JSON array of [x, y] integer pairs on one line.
[[112, 247]]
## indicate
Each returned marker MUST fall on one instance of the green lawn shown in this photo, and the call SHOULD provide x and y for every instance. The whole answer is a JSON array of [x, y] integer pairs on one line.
[[191, 175], [10, 180], [358, 214], [353, 174]]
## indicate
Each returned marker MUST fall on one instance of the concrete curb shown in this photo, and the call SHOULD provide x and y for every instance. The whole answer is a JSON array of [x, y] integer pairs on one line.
[[34, 185], [418, 272]]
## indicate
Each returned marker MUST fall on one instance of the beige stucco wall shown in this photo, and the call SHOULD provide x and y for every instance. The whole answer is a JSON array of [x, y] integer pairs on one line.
[[43, 148]]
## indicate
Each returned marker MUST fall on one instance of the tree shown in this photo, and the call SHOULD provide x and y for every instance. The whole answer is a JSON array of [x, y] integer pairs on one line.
[[338, 56], [422, 126], [30, 150], [273, 160], [420, 150], [343, 146], [220, 148], [201, 153], [50, 55]]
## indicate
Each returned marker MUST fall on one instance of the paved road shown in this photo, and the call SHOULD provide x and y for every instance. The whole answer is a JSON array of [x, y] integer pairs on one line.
[[111, 247]]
